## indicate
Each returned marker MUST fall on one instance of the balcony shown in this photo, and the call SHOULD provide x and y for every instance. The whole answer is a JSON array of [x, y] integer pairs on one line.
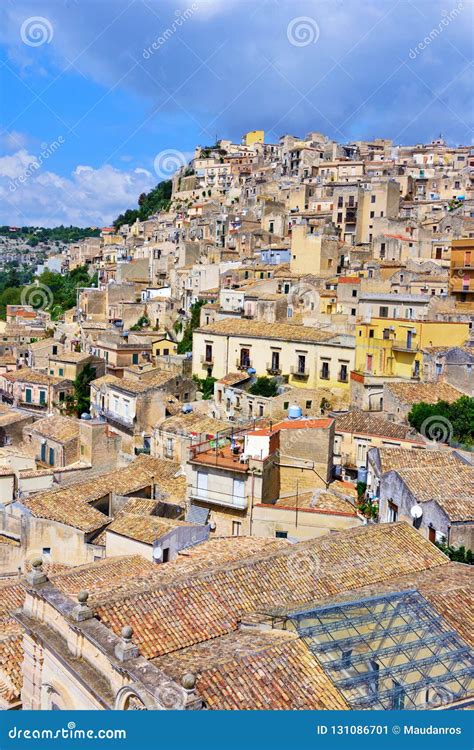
[[207, 360], [228, 500], [343, 377], [299, 372], [243, 364], [273, 370], [399, 345], [120, 421], [324, 375]]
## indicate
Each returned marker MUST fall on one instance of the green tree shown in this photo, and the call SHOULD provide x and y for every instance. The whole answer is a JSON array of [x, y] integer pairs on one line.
[[206, 386], [186, 343], [264, 386], [79, 400]]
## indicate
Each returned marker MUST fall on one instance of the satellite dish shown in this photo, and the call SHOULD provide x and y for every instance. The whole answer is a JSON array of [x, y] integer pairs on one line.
[[157, 553], [416, 512]]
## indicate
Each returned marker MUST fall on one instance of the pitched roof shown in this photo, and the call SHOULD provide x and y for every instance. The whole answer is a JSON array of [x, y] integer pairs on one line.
[[71, 505], [32, 376], [249, 671], [57, 428], [451, 487], [258, 329], [210, 602], [395, 458], [143, 528], [429, 393], [367, 423]]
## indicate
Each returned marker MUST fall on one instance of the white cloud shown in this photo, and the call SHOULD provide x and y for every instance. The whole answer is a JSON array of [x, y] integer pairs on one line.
[[30, 194]]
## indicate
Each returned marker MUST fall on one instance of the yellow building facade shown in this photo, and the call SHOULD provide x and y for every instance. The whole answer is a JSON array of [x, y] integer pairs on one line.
[[254, 136], [304, 357], [393, 347]]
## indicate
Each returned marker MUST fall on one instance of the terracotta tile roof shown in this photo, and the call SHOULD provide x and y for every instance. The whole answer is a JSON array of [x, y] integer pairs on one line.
[[316, 500], [71, 357], [256, 329], [222, 550], [107, 575], [406, 458], [57, 428], [196, 423], [71, 505], [143, 528], [232, 378], [32, 376], [11, 660], [452, 488], [367, 423], [256, 672], [209, 603], [430, 393]]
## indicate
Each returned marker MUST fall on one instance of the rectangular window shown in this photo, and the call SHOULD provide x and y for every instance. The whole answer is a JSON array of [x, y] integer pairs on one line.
[[135, 359], [301, 364], [61, 371], [325, 370], [42, 395], [43, 452], [245, 358], [343, 374], [28, 395], [392, 512], [383, 312], [236, 528], [281, 534], [51, 456], [208, 353], [275, 360]]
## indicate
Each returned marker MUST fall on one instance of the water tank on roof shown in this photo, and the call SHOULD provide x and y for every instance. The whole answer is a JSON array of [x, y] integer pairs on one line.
[[86, 415], [251, 371], [186, 408], [295, 412], [362, 474]]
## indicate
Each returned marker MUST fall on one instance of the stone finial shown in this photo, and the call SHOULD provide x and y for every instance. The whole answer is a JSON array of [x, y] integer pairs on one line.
[[188, 681], [36, 575], [125, 649], [82, 611]]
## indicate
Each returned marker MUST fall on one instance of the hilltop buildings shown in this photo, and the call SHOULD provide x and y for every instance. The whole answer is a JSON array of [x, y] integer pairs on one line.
[[208, 466]]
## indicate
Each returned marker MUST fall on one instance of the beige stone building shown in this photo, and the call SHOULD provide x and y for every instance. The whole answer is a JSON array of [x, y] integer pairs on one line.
[[303, 356]]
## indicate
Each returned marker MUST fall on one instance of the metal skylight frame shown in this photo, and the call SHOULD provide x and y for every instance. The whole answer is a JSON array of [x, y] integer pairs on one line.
[[390, 651]]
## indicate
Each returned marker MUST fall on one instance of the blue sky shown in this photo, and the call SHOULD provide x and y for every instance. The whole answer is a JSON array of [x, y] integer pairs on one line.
[[103, 87]]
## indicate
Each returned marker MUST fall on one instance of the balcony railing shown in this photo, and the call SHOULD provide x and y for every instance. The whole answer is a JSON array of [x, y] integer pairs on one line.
[[404, 346], [324, 375], [214, 497], [273, 370], [121, 419], [299, 372], [243, 364]]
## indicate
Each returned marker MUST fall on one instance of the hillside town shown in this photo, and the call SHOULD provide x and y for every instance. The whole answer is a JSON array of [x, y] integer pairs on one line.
[[237, 445]]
